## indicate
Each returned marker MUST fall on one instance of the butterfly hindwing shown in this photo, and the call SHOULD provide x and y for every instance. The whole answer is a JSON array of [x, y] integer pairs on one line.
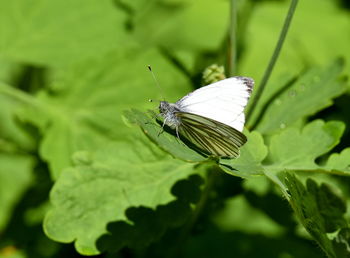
[[210, 136]]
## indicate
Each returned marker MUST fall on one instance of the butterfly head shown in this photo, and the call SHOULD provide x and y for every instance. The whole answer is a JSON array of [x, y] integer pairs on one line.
[[164, 107]]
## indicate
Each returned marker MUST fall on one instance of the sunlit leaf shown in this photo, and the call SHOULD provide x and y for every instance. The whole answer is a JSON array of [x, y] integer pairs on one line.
[[54, 33], [86, 110], [15, 178], [251, 155], [301, 48], [300, 99], [339, 161], [297, 150]]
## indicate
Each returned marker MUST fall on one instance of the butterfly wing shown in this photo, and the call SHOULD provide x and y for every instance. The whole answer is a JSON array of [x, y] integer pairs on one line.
[[223, 101], [210, 136]]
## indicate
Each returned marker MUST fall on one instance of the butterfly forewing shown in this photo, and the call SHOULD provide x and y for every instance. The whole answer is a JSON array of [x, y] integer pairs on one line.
[[223, 101], [210, 136]]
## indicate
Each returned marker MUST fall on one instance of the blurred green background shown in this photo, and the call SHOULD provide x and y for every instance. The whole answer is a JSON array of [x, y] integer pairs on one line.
[[68, 70]]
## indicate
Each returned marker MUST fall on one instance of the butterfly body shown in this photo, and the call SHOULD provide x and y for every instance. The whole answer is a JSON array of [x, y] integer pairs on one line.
[[211, 117], [168, 111]]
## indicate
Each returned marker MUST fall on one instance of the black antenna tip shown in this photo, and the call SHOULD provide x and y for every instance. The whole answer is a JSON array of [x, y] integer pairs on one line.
[[149, 68]]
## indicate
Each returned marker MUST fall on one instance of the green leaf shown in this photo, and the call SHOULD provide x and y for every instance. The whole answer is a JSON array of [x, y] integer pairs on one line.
[[297, 150], [301, 48], [85, 110], [86, 198], [339, 161], [165, 140], [58, 33], [246, 165], [180, 25], [182, 28], [239, 215], [318, 208], [251, 155], [300, 100], [15, 178], [293, 149], [148, 225]]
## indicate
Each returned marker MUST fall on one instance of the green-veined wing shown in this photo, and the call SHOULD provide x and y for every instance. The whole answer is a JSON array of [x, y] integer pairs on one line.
[[210, 136]]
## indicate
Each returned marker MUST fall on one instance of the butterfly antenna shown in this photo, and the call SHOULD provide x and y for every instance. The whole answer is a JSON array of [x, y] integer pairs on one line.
[[156, 82]]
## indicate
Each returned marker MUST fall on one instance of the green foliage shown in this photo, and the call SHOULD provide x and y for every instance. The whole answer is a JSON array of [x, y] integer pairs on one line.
[[53, 34], [340, 161], [100, 190], [300, 99], [319, 210], [315, 37], [164, 140], [249, 162], [15, 177], [82, 116], [77, 175], [295, 150], [165, 19]]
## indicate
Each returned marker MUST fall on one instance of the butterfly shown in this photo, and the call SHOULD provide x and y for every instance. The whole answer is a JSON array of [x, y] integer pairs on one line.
[[211, 118]]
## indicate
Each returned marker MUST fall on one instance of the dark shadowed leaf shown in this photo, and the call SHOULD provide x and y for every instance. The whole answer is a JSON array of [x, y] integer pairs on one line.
[[312, 206], [120, 176]]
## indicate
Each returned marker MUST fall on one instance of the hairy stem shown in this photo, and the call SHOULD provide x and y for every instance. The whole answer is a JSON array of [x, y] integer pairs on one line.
[[274, 57]]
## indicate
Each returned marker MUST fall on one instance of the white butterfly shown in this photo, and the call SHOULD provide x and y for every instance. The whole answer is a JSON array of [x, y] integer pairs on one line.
[[211, 117]]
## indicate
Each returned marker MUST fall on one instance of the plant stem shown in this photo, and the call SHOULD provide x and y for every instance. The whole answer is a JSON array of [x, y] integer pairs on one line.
[[17, 95], [232, 47], [274, 57]]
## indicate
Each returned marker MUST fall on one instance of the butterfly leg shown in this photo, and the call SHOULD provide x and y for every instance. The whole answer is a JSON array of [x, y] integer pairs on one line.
[[178, 136], [162, 130], [154, 115], [177, 132]]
